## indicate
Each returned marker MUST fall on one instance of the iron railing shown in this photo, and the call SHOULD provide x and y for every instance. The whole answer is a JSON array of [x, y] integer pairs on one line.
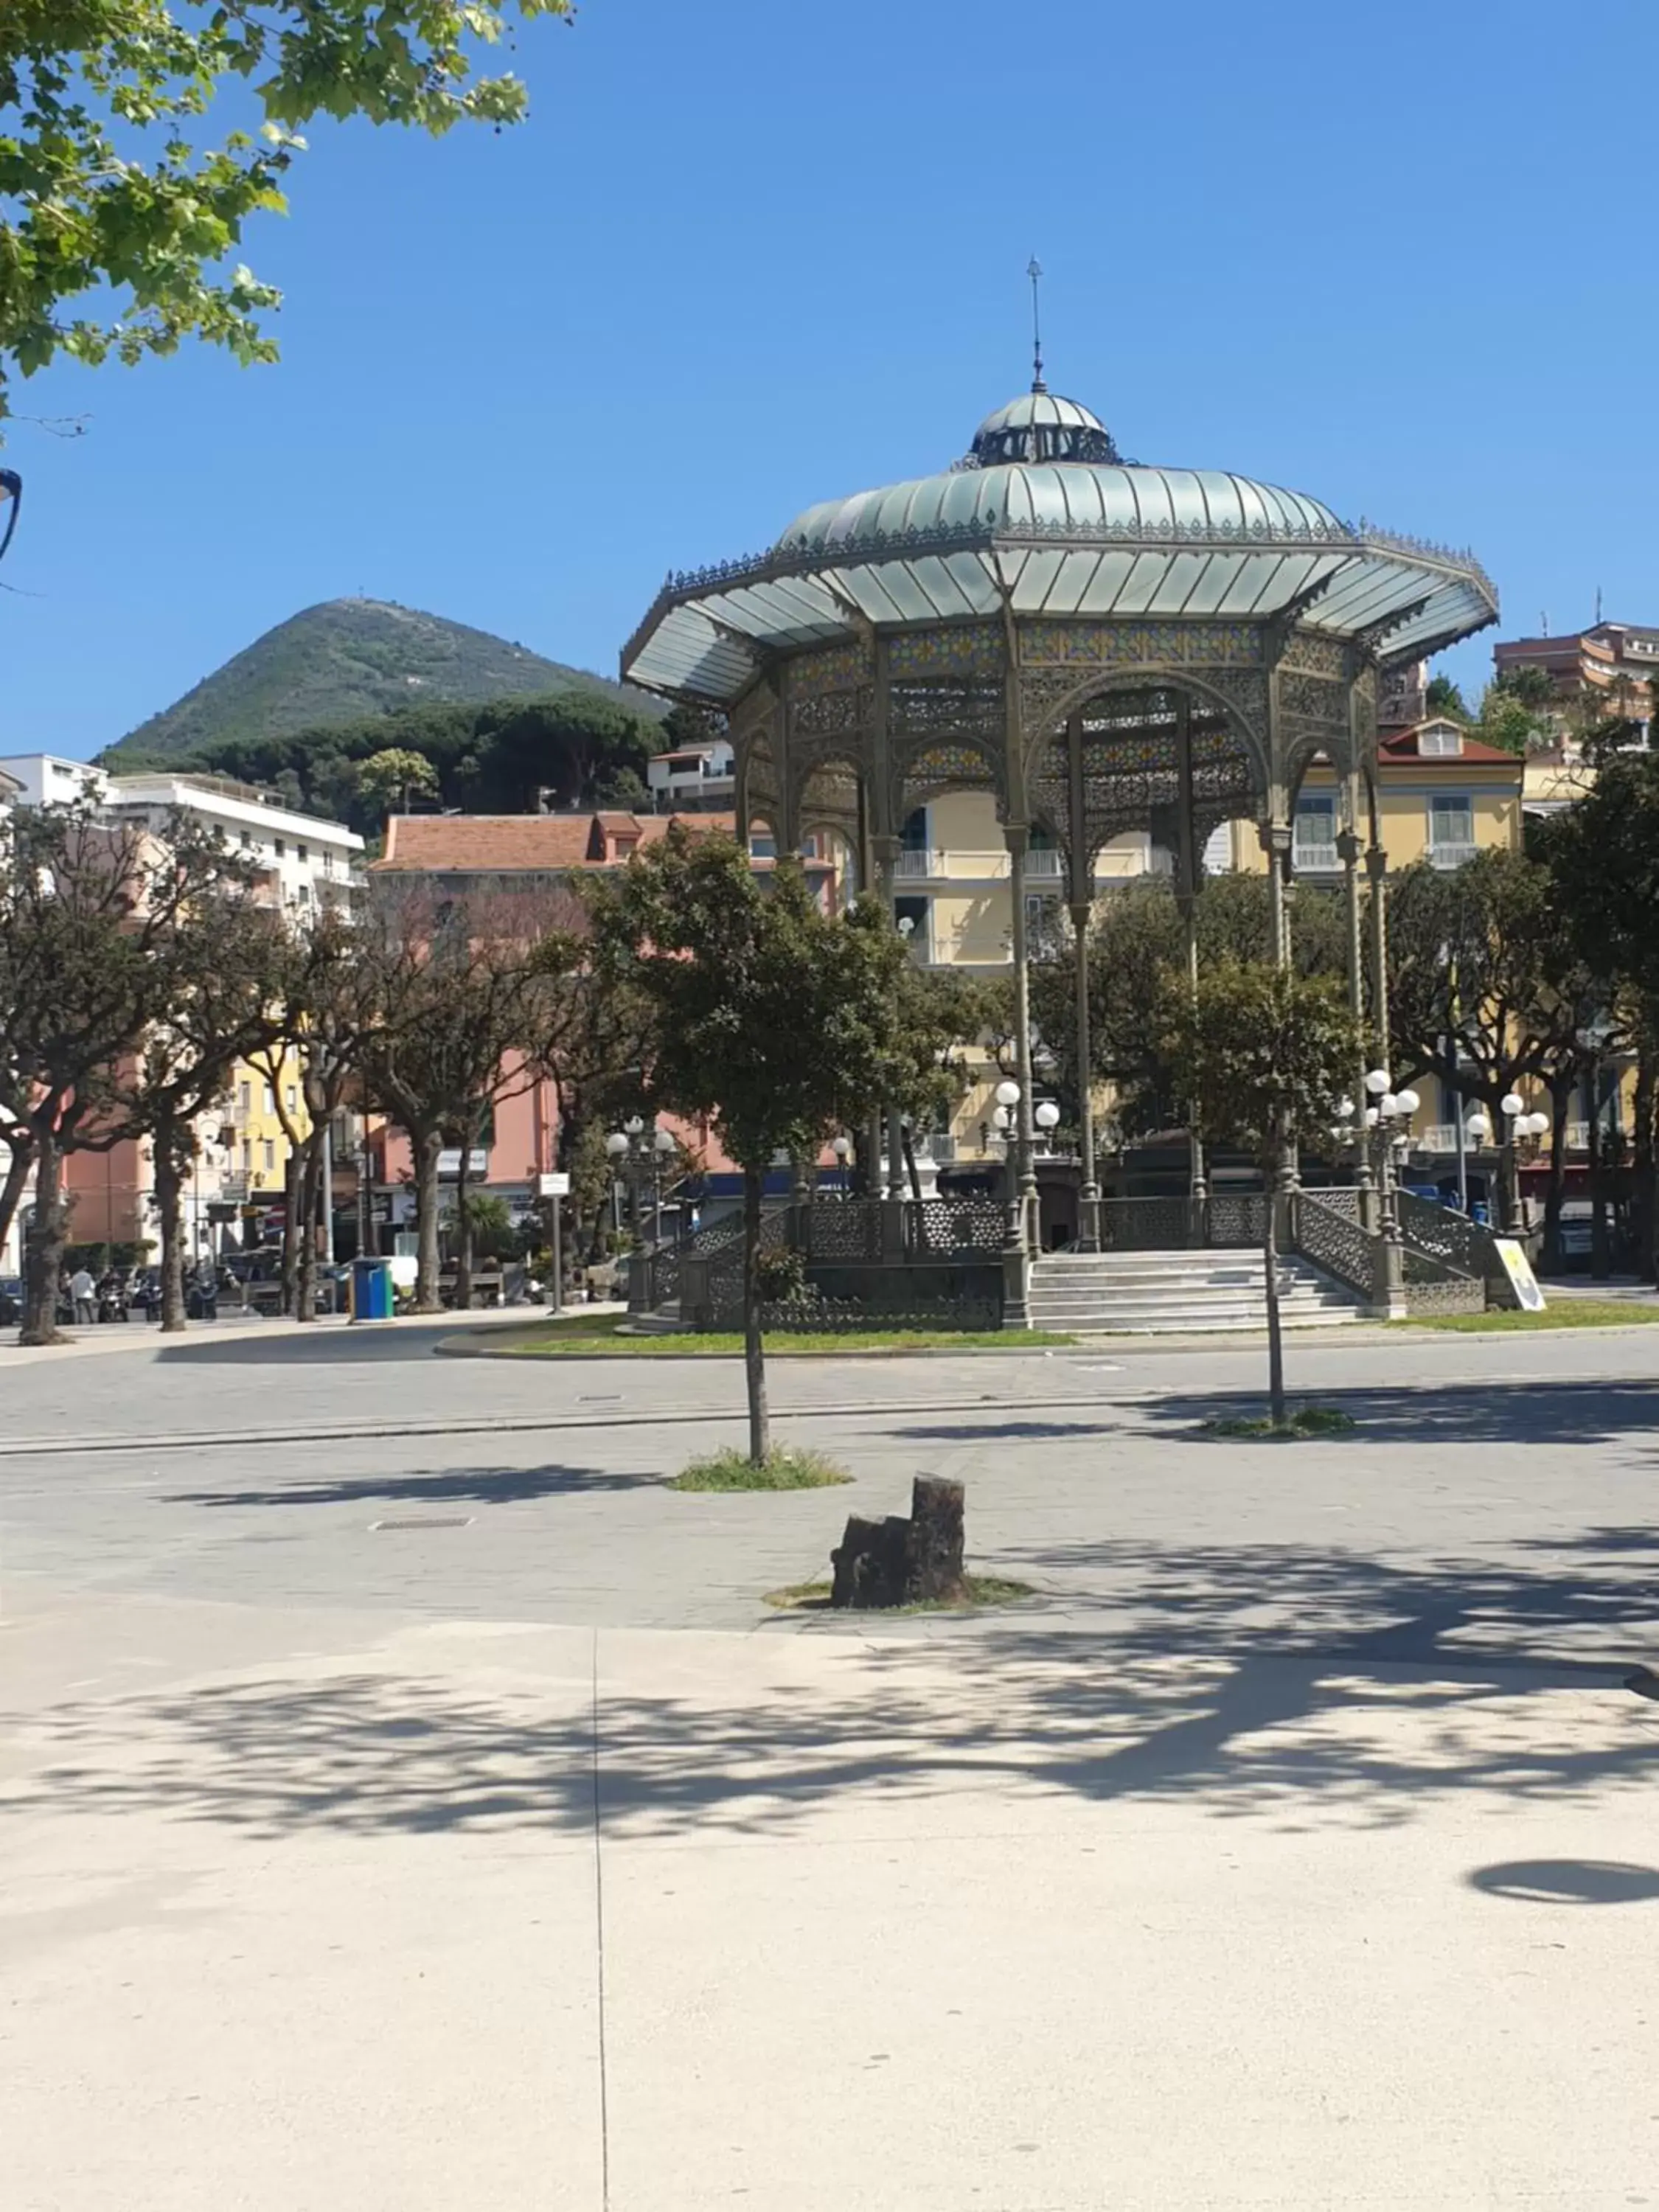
[[1333, 1240]]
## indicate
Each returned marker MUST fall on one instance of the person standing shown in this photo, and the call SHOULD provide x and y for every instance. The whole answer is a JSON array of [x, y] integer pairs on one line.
[[83, 1293]]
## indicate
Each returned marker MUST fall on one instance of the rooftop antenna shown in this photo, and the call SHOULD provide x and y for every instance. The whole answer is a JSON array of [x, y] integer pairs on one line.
[[1543, 625], [1598, 607], [1034, 270]]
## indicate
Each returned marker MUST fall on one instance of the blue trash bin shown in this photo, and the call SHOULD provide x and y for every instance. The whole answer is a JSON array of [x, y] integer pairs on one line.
[[371, 1290]]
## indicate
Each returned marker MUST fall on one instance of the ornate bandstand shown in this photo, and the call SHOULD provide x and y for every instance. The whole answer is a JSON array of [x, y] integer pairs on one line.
[[1100, 645]]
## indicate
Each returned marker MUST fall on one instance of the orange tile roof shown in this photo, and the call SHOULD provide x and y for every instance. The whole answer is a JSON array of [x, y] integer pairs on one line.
[[525, 843], [1402, 747]]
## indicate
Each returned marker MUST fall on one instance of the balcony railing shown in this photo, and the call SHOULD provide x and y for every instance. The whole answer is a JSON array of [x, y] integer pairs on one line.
[[1311, 860], [1044, 861], [1441, 1137], [913, 863], [1451, 856]]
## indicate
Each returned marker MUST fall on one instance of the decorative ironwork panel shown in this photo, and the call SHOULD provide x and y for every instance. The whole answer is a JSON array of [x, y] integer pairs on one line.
[[754, 715], [963, 650], [1333, 1242], [759, 782], [945, 707], [1146, 1224], [931, 770], [829, 714], [831, 668], [944, 1228], [1235, 1219], [1455, 1294], [843, 1229], [1460, 1245], [1313, 655], [1139, 645]]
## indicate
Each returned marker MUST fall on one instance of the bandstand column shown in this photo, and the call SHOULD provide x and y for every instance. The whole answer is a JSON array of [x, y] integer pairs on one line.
[[1189, 871], [1347, 844], [885, 849], [1088, 1238], [1376, 868], [1022, 1223], [1080, 860]]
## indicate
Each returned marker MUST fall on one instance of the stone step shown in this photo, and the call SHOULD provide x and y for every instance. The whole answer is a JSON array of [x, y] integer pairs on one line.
[[1149, 1293]]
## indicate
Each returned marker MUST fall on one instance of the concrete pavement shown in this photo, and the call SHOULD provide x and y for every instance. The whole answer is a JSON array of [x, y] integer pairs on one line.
[[1293, 1848]]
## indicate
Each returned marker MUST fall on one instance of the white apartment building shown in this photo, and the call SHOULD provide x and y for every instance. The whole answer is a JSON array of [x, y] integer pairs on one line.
[[44, 780], [303, 860]]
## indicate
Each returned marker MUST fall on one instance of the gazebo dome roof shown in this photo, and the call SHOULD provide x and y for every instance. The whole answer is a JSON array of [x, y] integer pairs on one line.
[[1044, 516]]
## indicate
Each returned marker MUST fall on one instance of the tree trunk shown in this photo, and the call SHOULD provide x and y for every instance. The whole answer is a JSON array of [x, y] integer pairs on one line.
[[908, 1142], [1598, 1183], [17, 1174], [1275, 1332], [169, 1206], [43, 1263], [305, 1265], [1645, 1161], [1561, 1089], [427, 1149], [754, 1350], [463, 1235], [291, 1220]]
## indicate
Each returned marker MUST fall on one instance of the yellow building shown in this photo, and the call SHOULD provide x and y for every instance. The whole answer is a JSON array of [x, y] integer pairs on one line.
[[257, 1170]]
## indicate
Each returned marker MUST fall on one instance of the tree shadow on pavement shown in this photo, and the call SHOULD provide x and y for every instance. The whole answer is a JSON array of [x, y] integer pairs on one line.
[[1299, 1685], [329, 1343], [480, 1485], [1578, 1412]]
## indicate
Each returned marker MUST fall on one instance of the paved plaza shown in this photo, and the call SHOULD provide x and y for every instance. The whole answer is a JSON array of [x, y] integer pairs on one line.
[[410, 1803]]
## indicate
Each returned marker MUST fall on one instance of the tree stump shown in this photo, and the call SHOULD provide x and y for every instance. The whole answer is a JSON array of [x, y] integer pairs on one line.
[[872, 1563], [898, 1562], [935, 1546]]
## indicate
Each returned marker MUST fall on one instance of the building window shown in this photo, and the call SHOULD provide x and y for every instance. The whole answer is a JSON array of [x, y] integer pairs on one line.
[[1440, 741], [247, 1154], [270, 1099], [279, 847], [328, 864], [762, 845], [269, 1151], [1451, 832], [1042, 857], [1043, 935], [244, 1097], [917, 913], [1313, 846], [915, 857], [291, 1095], [302, 851], [247, 838]]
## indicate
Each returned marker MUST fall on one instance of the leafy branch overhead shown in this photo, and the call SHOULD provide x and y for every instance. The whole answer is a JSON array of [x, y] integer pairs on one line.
[[107, 188]]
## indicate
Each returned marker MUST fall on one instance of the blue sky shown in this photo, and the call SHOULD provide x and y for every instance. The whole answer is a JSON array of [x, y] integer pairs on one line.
[[745, 255]]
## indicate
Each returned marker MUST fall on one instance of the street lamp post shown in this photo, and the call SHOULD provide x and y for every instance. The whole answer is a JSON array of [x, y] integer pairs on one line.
[[842, 1146], [1513, 1107]]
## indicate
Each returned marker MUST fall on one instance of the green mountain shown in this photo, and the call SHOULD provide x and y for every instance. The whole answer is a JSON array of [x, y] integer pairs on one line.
[[344, 661]]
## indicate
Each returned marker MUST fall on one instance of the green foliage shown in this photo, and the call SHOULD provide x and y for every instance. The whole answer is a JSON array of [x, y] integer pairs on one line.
[[768, 1017], [104, 194], [782, 1277], [390, 781], [1604, 852], [783, 1469], [494, 1236], [1303, 1421], [350, 677], [1263, 1054], [1442, 696], [1137, 960], [1486, 986]]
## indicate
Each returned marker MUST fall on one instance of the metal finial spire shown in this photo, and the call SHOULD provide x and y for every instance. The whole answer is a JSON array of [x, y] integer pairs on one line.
[[1034, 270]]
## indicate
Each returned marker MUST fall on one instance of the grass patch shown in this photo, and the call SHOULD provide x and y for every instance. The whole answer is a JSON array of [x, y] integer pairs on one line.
[[1561, 1313], [1303, 1421], [576, 1337], [782, 1469], [982, 1590]]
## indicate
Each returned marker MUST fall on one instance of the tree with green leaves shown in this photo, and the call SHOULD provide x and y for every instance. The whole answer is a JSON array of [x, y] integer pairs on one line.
[[1265, 1055], [451, 995], [1487, 991], [108, 196], [1603, 851], [387, 781], [1136, 950], [92, 915], [1443, 697], [768, 1017]]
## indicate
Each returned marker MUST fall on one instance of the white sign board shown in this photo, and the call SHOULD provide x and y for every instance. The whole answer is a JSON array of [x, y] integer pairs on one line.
[[553, 1186], [1518, 1268], [449, 1165]]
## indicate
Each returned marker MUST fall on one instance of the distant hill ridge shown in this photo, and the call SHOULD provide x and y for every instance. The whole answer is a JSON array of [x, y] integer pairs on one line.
[[349, 660]]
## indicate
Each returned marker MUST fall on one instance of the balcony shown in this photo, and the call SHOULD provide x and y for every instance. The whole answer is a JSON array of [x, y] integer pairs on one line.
[[1450, 855], [1044, 861], [1310, 859], [1440, 1137], [913, 863]]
